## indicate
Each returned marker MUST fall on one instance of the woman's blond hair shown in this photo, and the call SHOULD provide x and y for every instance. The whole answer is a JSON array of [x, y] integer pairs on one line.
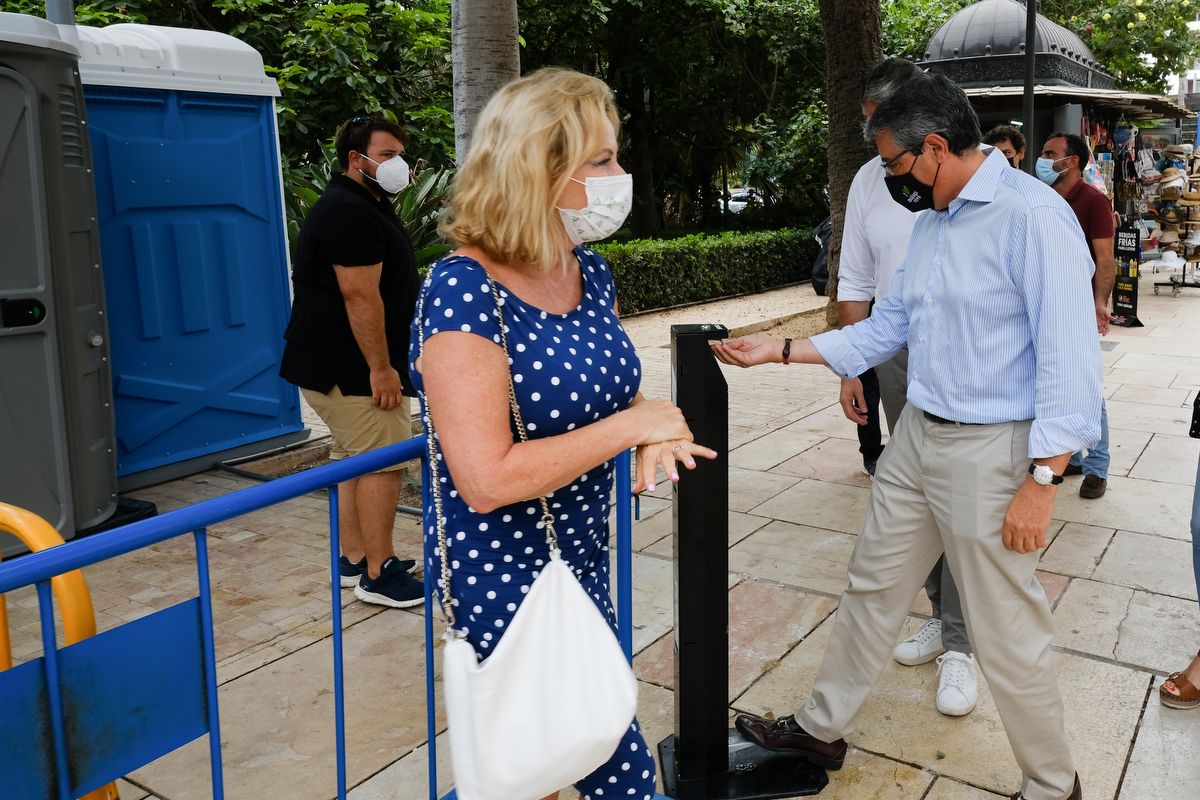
[[532, 135]]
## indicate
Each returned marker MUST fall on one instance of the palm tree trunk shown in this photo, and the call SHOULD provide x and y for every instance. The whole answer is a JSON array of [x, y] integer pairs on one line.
[[485, 56], [852, 33]]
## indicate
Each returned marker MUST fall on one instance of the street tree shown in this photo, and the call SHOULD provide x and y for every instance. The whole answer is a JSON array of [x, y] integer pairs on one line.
[[852, 30], [485, 54]]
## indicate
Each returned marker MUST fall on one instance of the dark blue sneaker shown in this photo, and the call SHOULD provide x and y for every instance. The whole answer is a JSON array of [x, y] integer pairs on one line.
[[394, 587], [350, 573]]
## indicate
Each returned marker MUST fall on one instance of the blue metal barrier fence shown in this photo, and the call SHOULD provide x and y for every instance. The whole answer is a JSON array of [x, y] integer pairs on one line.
[[58, 741]]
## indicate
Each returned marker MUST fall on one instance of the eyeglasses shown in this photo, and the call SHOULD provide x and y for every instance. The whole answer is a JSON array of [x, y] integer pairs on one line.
[[887, 165], [360, 120]]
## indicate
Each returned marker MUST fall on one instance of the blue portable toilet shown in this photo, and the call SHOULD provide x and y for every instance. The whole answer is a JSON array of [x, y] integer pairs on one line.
[[193, 244]]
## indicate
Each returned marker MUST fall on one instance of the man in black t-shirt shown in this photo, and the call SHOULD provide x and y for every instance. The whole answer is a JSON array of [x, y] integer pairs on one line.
[[355, 285]]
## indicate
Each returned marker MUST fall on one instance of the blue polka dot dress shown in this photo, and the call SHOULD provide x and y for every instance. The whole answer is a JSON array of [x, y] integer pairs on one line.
[[568, 370]]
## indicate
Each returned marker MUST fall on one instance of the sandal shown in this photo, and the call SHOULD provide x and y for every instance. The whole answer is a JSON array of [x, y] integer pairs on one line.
[[1188, 697]]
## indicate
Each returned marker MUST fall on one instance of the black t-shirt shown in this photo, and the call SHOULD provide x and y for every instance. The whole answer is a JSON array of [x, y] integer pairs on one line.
[[349, 227]]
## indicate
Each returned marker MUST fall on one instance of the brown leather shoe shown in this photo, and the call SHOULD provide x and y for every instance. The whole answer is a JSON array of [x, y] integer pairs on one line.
[[1076, 793], [786, 734], [1093, 487]]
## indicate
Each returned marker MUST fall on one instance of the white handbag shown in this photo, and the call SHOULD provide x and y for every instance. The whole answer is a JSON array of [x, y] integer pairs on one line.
[[553, 700]]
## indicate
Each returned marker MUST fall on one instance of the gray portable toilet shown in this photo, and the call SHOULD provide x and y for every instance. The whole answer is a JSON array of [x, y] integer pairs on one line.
[[57, 430]]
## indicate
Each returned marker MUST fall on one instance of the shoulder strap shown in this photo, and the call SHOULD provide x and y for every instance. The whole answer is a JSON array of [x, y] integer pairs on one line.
[[435, 456]]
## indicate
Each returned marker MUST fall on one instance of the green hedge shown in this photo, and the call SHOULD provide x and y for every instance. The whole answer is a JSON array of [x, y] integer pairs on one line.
[[659, 273]]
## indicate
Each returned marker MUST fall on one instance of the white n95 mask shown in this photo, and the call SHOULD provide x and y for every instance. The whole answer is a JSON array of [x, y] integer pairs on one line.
[[609, 199], [391, 175]]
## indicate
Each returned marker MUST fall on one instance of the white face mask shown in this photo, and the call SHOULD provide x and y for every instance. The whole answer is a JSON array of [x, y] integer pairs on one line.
[[391, 175], [609, 199]]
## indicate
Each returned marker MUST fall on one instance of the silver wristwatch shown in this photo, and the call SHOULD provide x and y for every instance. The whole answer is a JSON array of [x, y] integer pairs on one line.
[[1044, 476]]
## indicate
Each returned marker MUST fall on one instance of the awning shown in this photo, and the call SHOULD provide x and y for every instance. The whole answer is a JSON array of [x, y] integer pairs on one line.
[[1132, 104]]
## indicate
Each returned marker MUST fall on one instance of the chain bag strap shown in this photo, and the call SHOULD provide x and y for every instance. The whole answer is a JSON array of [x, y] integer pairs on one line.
[[431, 442], [436, 489], [554, 699]]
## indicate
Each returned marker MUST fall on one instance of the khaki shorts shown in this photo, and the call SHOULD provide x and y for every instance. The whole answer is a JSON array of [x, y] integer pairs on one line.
[[357, 426]]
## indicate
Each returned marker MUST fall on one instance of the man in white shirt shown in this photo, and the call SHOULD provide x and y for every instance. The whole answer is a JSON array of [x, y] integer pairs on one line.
[[874, 241]]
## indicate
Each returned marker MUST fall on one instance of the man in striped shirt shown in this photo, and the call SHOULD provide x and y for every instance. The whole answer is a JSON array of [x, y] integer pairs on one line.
[[1004, 375], [874, 240]]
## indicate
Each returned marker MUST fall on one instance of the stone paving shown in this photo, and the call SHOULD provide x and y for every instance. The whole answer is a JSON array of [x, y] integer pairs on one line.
[[1117, 573]]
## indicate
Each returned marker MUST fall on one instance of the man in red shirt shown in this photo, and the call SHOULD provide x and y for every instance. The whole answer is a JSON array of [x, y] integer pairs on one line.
[[1064, 157]]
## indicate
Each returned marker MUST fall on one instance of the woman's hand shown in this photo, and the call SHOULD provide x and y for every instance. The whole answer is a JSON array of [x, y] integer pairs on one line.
[[749, 351], [668, 455], [657, 421]]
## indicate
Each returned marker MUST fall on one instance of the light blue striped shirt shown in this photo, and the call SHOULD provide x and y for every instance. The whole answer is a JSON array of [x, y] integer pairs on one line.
[[994, 301]]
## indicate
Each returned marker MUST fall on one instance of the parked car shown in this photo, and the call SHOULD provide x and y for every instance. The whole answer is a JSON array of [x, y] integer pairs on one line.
[[740, 198], [820, 269]]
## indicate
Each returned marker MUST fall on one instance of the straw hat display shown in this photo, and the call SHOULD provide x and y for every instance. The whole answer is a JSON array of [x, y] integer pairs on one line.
[[1175, 215], [1172, 179], [1170, 237]]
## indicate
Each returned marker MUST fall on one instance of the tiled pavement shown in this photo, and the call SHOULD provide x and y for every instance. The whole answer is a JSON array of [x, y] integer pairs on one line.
[[1117, 574]]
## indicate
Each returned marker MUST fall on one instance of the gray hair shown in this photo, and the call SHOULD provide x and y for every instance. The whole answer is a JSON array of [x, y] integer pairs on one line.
[[925, 104], [887, 76]]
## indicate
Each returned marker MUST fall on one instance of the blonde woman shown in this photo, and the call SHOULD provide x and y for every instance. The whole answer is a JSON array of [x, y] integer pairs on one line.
[[541, 181]]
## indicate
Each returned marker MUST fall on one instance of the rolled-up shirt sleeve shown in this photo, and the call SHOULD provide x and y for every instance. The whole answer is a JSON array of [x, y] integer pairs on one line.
[[856, 264], [856, 348], [1054, 270]]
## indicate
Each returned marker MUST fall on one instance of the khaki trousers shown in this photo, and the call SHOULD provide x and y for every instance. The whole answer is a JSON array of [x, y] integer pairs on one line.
[[945, 488]]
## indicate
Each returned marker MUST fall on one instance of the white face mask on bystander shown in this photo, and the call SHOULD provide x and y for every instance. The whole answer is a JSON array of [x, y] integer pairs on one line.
[[609, 199], [392, 175]]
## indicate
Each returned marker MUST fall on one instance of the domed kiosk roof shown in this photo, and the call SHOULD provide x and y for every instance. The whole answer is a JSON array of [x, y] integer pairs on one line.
[[997, 27], [985, 44]]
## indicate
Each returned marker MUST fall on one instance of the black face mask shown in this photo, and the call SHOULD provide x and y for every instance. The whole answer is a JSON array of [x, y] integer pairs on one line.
[[909, 192]]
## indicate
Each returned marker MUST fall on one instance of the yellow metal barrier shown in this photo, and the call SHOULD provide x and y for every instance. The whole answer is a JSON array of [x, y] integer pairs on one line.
[[71, 594]]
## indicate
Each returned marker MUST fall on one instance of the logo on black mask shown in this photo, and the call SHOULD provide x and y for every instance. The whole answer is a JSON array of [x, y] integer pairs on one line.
[[908, 191]]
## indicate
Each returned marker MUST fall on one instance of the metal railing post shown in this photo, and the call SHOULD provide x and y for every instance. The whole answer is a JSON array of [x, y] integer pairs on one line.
[[53, 689], [210, 663], [339, 690]]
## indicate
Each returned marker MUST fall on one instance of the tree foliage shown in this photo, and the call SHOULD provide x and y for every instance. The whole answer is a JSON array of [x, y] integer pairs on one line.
[[908, 25], [1142, 42], [331, 59], [712, 92], [715, 83]]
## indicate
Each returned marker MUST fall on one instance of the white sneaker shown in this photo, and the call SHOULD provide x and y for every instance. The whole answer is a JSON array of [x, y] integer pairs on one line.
[[957, 689], [923, 646]]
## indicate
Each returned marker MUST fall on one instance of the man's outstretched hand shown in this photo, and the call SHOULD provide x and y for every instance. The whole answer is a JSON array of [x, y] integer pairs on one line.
[[749, 351]]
